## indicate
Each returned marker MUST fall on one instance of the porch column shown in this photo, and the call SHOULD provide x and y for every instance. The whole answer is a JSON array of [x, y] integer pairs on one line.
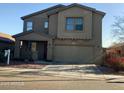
[[17, 49], [50, 50]]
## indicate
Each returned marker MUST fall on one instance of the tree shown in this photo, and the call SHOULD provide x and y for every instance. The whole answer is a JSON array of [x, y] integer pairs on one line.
[[118, 28]]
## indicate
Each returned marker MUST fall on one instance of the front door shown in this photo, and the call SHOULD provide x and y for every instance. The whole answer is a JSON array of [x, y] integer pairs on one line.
[[42, 50], [34, 51]]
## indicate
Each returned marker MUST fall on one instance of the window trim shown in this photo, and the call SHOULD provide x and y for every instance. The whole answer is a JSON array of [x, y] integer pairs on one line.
[[74, 24]]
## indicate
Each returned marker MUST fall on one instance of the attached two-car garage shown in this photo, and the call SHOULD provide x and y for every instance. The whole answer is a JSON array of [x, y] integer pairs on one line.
[[73, 54]]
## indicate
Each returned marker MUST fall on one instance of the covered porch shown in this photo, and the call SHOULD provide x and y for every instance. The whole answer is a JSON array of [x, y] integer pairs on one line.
[[33, 50], [33, 46]]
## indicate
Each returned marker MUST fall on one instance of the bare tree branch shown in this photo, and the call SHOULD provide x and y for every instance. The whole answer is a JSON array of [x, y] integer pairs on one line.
[[118, 28]]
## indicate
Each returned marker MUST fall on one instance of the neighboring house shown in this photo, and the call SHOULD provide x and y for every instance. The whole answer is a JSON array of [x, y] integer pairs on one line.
[[68, 34], [6, 41]]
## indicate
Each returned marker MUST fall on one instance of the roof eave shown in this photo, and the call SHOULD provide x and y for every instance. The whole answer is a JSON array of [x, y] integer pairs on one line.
[[99, 12], [81, 6], [65, 7], [42, 11]]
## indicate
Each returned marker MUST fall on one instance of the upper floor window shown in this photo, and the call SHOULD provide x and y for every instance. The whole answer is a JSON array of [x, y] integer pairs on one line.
[[46, 24], [29, 25], [74, 24]]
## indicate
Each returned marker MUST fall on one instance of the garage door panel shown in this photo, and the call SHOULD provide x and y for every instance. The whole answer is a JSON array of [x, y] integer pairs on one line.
[[73, 54]]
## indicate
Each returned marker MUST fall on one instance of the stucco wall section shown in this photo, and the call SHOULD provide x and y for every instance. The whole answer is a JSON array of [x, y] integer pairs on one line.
[[53, 25], [97, 38], [97, 29]]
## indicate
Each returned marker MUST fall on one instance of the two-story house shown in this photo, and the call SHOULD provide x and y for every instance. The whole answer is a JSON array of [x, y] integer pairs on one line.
[[68, 34]]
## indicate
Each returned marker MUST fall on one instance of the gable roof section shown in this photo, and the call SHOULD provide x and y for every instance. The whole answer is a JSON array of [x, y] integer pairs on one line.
[[84, 7], [42, 11], [62, 8], [81, 6]]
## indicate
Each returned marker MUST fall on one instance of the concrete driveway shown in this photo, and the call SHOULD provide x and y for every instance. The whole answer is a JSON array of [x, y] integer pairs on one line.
[[59, 76], [89, 72], [75, 71]]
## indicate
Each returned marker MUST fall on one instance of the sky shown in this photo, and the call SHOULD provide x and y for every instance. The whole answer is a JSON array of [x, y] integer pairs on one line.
[[11, 23]]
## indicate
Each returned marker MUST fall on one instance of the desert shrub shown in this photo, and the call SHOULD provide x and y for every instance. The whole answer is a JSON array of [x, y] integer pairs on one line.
[[117, 63]]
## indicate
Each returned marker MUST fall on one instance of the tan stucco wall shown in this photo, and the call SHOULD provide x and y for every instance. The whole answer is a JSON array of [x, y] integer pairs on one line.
[[75, 12], [97, 29], [97, 38], [53, 25]]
